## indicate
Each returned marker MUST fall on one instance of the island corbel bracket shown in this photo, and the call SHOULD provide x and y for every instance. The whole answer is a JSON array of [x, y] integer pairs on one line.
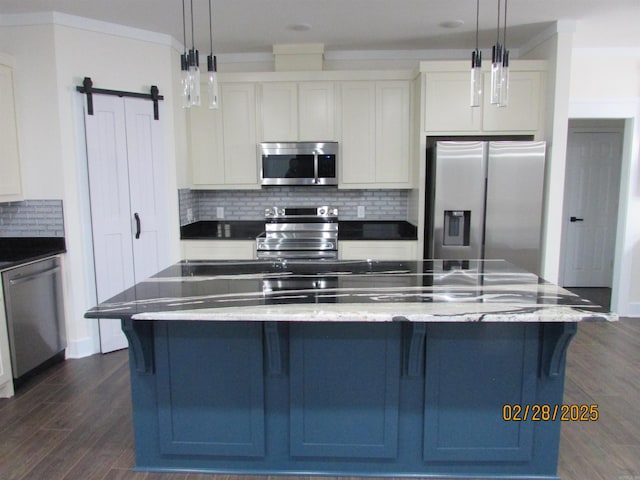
[[556, 340], [139, 333]]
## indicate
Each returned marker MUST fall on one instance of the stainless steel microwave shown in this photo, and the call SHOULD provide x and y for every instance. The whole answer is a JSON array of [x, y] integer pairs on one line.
[[299, 163]]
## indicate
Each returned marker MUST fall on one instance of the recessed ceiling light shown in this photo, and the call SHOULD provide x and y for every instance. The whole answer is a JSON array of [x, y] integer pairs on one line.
[[452, 23], [300, 27]]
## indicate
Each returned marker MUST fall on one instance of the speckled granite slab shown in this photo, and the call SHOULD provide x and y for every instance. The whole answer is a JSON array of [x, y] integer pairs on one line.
[[369, 291]]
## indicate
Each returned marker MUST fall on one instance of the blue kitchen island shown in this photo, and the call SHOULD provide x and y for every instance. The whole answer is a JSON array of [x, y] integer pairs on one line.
[[359, 368]]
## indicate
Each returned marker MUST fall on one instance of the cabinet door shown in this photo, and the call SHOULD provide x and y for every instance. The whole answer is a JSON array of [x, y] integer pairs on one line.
[[345, 380], [447, 103], [279, 109], [524, 109], [466, 388], [358, 125], [239, 134], [10, 180], [210, 388], [392, 132], [316, 107], [207, 150]]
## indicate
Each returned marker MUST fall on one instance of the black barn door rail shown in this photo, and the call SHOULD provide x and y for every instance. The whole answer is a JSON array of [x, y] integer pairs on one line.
[[87, 88]]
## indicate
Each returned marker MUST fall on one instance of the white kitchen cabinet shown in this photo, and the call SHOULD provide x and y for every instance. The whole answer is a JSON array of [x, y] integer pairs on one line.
[[297, 111], [6, 377], [10, 179], [375, 134], [446, 100], [446, 103], [223, 142], [218, 249], [377, 249], [524, 109]]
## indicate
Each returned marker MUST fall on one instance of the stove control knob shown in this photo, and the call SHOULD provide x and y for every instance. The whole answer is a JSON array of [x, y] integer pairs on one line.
[[281, 212], [322, 211]]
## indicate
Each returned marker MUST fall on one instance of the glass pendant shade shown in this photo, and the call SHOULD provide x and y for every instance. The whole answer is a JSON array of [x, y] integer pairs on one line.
[[185, 85], [212, 82], [194, 77], [476, 79], [504, 80], [496, 74]]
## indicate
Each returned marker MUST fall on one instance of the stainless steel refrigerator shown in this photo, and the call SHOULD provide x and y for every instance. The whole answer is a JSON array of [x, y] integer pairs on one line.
[[484, 200]]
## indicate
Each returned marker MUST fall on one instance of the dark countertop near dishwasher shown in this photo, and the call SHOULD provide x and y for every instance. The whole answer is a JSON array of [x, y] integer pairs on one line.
[[250, 229], [15, 251]]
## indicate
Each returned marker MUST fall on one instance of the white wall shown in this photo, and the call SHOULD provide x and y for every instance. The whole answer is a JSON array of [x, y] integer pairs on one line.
[[51, 60]]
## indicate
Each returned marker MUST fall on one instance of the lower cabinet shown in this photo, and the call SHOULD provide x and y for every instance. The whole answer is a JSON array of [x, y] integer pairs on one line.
[[210, 389], [344, 390], [218, 249], [377, 250]]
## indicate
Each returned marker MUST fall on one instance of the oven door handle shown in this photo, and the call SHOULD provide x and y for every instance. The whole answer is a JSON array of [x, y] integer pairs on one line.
[[315, 166]]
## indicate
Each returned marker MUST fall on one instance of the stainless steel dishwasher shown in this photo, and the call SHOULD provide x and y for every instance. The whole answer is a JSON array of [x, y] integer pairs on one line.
[[35, 314]]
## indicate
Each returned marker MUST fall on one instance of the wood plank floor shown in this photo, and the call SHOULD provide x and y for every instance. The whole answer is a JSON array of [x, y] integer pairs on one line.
[[73, 422]]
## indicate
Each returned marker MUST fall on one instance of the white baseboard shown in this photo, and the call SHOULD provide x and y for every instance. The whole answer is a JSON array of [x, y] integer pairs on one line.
[[81, 348]]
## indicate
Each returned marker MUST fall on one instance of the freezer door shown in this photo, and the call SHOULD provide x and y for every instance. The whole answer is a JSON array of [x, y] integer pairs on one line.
[[515, 182], [458, 208]]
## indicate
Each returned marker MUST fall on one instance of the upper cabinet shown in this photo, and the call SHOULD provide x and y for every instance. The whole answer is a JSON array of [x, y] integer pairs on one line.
[[10, 179], [223, 141], [297, 111], [375, 134], [446, 100]]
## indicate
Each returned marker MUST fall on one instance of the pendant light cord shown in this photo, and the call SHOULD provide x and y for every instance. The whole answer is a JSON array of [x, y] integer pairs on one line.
[[193, 43], [477, 21], [184, 26], [211, 29], [504, 36], [497, 28]]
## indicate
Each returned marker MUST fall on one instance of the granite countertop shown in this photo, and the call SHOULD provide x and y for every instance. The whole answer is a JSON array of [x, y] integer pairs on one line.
[[15, 251], [370, 291], [347, 230]]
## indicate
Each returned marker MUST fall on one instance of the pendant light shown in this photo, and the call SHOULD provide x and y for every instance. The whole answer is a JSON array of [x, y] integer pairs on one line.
[[212, 69], [184, 66], [194, 68], [476, 64], [503, 101], [496, 65]]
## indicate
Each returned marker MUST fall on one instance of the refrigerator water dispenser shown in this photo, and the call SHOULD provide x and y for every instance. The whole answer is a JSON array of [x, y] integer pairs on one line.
[[457, 224]]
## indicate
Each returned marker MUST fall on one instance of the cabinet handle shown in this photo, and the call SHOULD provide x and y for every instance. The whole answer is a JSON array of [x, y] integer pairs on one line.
[[138, 226], [576, 219]]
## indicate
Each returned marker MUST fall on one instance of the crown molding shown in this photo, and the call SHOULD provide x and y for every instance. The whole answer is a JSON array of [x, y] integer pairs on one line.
[[560, 26], [83, 23]]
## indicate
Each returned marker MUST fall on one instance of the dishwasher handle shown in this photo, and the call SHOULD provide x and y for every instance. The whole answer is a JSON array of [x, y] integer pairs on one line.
[[27, 278]]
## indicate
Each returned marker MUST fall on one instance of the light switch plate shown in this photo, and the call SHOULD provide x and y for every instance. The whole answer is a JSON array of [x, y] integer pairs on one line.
[[220, 212], [360, 211]]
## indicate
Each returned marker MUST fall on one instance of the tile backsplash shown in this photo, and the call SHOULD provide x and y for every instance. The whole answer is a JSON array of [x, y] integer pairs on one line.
[[32, 218], [250, 204]]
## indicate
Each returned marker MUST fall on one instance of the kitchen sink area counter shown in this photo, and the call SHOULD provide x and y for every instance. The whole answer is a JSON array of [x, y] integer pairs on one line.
[[374, 368]]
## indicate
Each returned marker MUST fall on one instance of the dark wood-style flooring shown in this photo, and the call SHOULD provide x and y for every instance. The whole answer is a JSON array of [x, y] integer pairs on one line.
[[73, 421]]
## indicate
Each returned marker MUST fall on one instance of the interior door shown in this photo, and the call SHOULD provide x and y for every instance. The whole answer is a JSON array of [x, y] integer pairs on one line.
[[591, 205], [128, 193]]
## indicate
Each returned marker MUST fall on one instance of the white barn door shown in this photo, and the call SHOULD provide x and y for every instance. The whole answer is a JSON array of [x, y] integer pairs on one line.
[[128, 193]]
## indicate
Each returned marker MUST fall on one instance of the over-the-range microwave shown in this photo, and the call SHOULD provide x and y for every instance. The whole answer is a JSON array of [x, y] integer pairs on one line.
[[299, 163]]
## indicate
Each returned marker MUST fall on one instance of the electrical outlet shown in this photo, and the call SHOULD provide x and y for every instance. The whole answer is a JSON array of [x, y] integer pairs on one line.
[[189, 215], [360, 211], [220, 212]]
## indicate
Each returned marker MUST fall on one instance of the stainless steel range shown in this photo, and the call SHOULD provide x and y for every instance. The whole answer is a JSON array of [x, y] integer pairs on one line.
[[299, 232]]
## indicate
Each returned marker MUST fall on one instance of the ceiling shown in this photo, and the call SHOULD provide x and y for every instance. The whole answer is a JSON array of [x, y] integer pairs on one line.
[[244, 26]]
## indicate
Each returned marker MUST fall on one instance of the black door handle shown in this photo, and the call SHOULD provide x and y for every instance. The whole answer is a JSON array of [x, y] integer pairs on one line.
[[138, 226], [576, 219]]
